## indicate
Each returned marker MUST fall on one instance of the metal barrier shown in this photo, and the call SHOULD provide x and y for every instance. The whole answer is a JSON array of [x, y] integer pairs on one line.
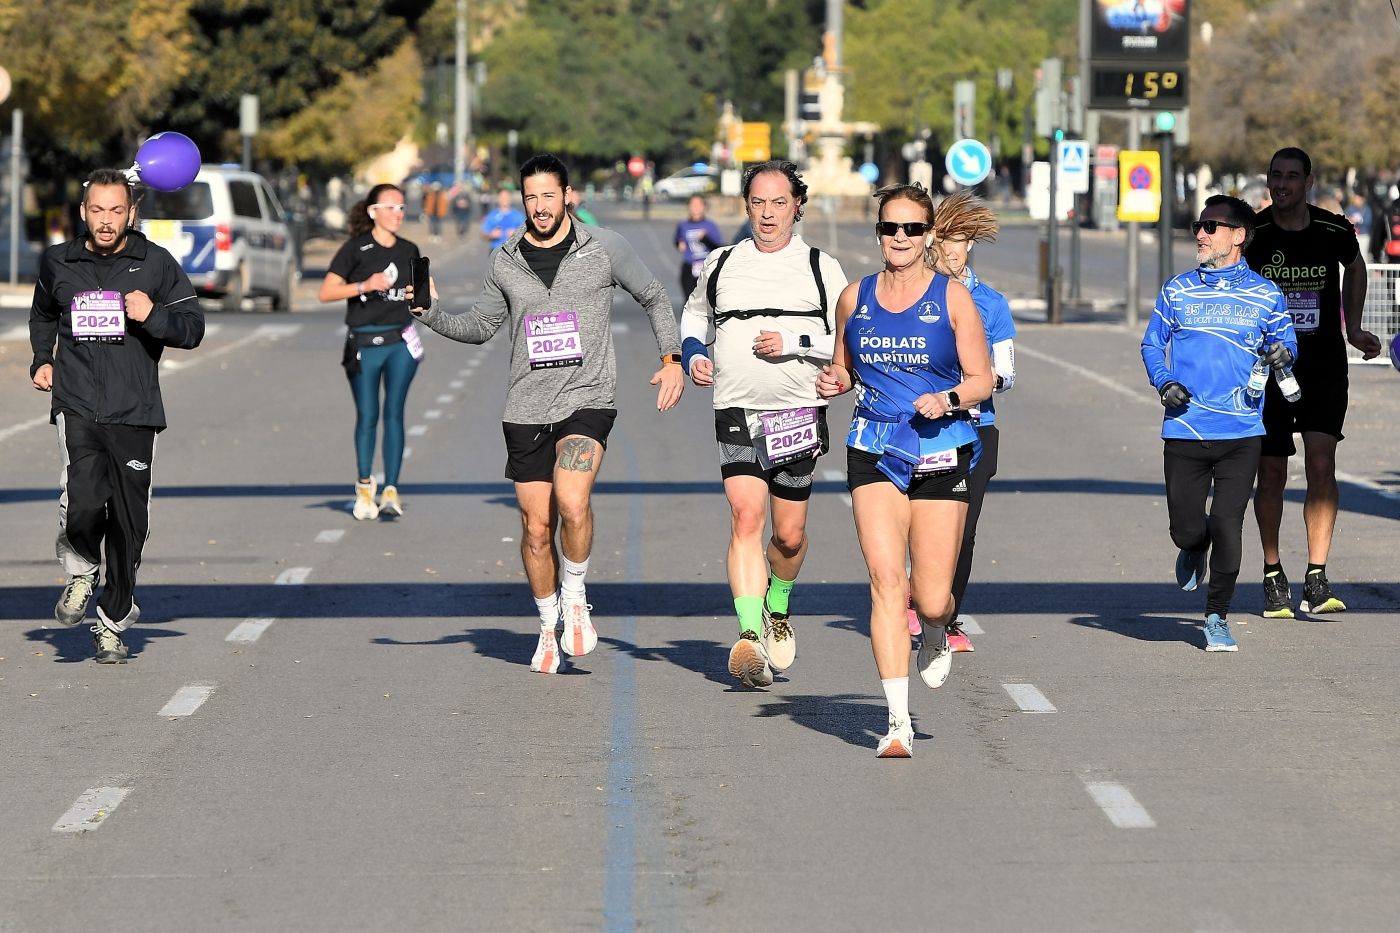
[[1381, 316]]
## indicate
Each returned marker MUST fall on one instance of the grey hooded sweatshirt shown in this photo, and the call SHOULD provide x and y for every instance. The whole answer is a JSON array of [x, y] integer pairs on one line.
[[599, 261]]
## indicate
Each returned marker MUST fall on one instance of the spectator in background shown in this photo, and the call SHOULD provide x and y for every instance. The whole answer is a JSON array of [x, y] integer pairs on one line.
[[501, 223], [461, 197], [435, 207], [576, 207]]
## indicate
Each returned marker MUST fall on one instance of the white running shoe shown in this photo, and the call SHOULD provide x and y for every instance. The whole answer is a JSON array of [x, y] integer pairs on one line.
[[580, 637], [546, 659], [72, 603], [898, 742], [935, 656], [749, 662], [389, 504], [779, 640], [364, 509]]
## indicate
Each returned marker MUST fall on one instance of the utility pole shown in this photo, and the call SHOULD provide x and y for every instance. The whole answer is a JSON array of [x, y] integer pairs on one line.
[[16, 189], [1131, 308], [462, 110]]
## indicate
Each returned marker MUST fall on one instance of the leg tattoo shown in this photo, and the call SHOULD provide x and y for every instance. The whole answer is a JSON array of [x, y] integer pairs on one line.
[[579, 454]]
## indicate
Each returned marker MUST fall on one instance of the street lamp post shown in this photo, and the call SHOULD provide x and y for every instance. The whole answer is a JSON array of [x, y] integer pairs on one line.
[[462, 111]]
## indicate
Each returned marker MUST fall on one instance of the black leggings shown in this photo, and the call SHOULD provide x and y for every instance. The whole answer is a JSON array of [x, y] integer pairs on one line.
[[976, 488], [1189, 468]]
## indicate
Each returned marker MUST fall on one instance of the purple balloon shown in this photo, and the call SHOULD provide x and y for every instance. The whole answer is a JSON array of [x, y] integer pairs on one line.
[[167, 161]]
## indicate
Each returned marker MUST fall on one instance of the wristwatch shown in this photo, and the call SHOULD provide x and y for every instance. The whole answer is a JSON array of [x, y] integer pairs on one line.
[[671, 358], [953, 401], [805, 342]]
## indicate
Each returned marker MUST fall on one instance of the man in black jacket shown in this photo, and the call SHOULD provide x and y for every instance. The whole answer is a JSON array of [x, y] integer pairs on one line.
[[105, 307]]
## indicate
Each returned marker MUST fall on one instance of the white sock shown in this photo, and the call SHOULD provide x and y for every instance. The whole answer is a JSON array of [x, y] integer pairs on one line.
[[897, 697], [549, 610], [572, 583]]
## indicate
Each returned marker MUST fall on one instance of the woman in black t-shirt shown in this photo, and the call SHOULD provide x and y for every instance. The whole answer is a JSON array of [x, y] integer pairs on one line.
[[370, 273]]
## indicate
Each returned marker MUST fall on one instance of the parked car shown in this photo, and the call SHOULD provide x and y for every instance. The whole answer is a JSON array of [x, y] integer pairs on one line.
[[229, 233], [688, 181]]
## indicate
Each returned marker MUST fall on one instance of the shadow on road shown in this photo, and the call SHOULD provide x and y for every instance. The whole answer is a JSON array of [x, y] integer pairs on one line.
[[74, 645], [855, 720]]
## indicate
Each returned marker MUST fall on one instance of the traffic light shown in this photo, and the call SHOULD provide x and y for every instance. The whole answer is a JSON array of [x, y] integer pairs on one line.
[[1059, 135], [1166, 121], [809, 98]]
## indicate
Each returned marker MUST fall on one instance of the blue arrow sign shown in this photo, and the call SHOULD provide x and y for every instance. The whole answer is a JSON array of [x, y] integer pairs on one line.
[[968, 161]]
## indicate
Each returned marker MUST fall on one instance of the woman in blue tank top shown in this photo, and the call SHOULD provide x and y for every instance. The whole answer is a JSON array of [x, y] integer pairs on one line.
[[912, 345]]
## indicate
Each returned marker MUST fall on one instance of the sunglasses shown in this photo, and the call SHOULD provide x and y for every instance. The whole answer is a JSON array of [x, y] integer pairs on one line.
[[1209, 226], [387, 207], [912, 229]]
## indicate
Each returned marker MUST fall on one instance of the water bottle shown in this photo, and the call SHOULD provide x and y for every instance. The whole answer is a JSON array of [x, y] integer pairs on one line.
[[1258, 378], [1283, 375]]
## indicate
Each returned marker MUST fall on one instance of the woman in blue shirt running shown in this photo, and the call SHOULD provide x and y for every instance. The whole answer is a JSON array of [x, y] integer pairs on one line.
[[911, 343]]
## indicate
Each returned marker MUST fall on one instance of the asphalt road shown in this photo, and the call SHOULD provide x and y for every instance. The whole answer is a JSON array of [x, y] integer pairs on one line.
[[329, 725]]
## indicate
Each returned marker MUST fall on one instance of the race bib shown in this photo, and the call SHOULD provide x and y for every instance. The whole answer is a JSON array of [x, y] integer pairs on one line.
[[98, 317], [413, 342], [1305, 308], [553, 340], [789, 435], [945, 461]]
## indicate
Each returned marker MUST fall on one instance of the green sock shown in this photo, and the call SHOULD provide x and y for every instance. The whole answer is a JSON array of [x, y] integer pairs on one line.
[[750, 609], [778, 592]]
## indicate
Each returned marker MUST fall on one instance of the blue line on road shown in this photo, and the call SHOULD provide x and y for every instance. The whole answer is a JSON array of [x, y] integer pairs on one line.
[[620, 861]]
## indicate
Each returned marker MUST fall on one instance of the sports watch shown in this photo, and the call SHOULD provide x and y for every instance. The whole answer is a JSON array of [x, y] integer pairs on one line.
[[954, 403], [805, 342], [671, 358]]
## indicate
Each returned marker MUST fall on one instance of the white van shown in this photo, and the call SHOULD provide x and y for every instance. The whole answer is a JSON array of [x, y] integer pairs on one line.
[[229, 233]]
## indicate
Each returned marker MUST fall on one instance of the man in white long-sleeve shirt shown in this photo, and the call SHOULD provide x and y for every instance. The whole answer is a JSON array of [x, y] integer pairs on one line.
[[757, 328]]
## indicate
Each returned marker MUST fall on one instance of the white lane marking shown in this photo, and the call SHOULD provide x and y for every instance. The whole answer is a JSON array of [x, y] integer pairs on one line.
[[1134, 394], [407, 452], [18, 334], [836, 476], [1377, 488], [92, 807], [274, 331], [969, 625], [418, 430], [186, 700], [249, 630], [457, 383], [445, 399], [472, 363], [1119, 805], [432, 413], [292, 576], [1029, 698], [619, 327], [14, 429], [330, 536]]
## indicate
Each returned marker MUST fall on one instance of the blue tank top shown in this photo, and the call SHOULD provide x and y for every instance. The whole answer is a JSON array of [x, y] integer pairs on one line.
[[896, 357]]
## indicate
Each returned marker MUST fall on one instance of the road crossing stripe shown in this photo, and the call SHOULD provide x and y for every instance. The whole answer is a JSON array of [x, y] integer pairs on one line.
[[1119, 805], [186, 701], [92, 807], [1029, 698], [418, 430], [249, 630], [292, 576], [330, 536]]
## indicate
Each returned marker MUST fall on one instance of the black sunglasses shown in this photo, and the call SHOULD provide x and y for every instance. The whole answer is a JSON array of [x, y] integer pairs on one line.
[[1209, 226], [912, 229]]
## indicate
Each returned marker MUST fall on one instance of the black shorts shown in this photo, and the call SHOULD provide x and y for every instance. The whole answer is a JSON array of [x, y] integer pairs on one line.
[[737, 456], [530, 450], [952, 486], [1322, 408]]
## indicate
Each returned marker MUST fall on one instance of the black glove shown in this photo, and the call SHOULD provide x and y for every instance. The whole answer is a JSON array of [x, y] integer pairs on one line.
[[1174, 395], [1277, 355]]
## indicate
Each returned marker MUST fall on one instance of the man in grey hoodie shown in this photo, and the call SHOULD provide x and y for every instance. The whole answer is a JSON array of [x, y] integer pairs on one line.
[[554, 282]]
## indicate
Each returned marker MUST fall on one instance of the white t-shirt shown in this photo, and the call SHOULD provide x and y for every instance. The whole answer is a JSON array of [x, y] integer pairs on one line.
[[752, 280]]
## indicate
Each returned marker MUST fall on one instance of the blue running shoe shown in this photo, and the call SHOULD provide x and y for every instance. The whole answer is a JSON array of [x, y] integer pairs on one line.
[[1218, 635], [1191, 567]]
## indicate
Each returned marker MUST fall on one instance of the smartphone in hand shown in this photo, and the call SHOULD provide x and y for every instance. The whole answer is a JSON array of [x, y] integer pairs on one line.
[[422, 289]]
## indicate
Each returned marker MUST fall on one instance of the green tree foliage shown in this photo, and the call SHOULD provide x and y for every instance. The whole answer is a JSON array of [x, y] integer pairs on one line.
[[903, 56], [72, 60], [1319, 74]]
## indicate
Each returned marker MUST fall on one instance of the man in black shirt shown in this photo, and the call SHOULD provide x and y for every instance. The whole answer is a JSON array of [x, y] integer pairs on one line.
[[1300, 247]]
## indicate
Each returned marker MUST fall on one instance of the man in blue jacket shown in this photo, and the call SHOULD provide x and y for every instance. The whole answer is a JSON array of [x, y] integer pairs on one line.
[[1218, 319], [106, 306]]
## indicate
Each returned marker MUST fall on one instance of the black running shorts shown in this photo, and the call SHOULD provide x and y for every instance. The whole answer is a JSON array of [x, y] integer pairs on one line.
[[737, 456], [952, 486], [1322, 408], [530, 448]]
